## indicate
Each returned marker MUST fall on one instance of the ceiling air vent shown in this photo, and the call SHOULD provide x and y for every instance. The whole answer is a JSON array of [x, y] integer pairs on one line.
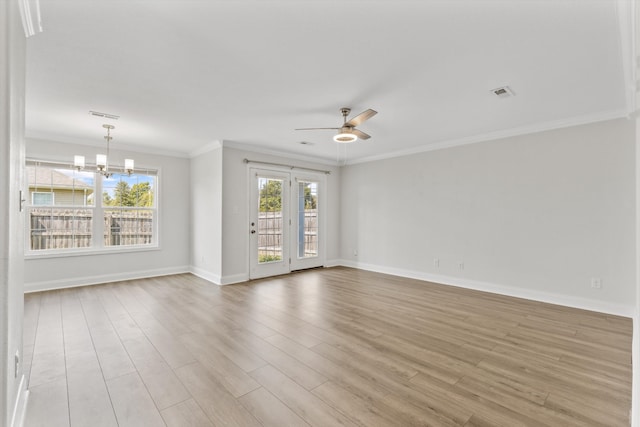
[[503, 92], [104, 115]]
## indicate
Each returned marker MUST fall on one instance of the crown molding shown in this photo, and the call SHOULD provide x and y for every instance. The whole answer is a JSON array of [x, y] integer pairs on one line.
[[627, 12], [523, 130], [490, 136], [120, 146], [209, 146], [272, 152]]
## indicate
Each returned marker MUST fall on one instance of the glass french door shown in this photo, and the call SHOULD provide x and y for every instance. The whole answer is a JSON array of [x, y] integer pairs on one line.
[[306, 223], [285, 222], [269, 228]]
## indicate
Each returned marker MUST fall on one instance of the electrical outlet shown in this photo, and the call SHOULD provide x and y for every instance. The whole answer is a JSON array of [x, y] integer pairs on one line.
[[460, 265], [596, 283], [436, 262]]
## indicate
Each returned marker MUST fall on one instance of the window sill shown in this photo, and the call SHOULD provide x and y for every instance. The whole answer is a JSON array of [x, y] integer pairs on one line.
[[89, 252]]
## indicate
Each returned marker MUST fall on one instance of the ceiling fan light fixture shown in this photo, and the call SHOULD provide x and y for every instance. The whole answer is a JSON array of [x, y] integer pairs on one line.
[[347, 132], [345, 137]]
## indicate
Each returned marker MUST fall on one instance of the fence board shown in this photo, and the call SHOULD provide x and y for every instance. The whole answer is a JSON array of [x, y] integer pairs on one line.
[[270, 232], [55, 228]]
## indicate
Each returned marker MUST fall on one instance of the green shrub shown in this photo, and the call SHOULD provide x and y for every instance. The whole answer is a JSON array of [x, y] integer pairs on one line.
[[268, 258]]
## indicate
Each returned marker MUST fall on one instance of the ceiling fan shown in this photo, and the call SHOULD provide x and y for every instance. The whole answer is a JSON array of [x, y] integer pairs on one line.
[[348, 131]]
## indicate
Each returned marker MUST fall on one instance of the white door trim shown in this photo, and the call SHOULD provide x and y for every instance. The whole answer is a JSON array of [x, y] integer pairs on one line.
[[290, 259]]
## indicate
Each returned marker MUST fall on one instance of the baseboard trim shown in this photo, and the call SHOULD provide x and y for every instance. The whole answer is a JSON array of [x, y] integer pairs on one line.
[[104, 278], [206, 275], [20, 408], [551, 298], [218, 279], [235, 278], [559, 299], [333, 263], [635, 358]]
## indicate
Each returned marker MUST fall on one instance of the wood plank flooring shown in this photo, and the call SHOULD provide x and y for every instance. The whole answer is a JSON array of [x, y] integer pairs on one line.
[[323, 347]]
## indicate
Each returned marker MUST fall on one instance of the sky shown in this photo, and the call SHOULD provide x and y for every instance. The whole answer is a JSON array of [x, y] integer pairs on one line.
[[110, 183]]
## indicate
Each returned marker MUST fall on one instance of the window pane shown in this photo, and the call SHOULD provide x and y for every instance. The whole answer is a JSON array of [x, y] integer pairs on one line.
[[270, 231], [60, 187], [125, 223], [124, 190], [55, 228], [60, 211], [42, 199], [307, 219], [124, 227]]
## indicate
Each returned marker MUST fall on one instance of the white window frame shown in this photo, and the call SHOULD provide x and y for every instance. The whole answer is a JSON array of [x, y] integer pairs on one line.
[[53, 197], [100, 210], [97, 238]]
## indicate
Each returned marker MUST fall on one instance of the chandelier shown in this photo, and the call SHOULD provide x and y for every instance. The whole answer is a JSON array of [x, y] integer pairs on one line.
[[102, 160]]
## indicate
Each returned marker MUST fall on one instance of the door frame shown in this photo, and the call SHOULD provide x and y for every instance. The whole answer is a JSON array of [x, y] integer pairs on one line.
[[273, 268], [320, 260], [290, 253]]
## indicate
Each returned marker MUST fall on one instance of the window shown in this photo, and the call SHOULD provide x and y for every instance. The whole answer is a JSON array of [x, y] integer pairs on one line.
[[307, 219], [42, 198], [61, 211], [66, 214]]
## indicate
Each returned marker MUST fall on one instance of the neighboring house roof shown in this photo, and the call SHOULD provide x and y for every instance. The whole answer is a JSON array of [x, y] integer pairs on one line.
[[50, 178]]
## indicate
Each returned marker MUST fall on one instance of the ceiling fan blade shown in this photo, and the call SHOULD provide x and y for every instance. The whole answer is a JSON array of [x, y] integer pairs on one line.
[[318, 129], [360, 134], [361, 118]]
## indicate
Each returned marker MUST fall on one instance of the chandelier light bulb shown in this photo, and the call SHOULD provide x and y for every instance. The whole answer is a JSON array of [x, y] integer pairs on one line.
[[101, 161], [78, 162], [128, 166]]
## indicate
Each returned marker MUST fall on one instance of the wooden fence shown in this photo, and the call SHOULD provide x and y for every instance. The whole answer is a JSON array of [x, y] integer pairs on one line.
[[72, 228], [270, 233], [123, 228]]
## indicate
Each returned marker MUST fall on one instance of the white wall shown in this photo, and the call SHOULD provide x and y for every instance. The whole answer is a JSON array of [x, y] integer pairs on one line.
[[235, 210], [206, 214], [12, 100], [174, 210], [535, 216]]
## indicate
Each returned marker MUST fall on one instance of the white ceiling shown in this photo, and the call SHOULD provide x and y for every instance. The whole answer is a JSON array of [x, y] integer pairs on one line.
[[183, 74]]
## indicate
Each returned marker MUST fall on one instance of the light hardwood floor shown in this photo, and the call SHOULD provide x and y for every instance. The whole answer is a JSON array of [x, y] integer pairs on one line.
[[322, 347]]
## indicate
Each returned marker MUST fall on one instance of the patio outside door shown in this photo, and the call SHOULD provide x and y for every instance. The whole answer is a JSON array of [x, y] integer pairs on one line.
[[285, 222]]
